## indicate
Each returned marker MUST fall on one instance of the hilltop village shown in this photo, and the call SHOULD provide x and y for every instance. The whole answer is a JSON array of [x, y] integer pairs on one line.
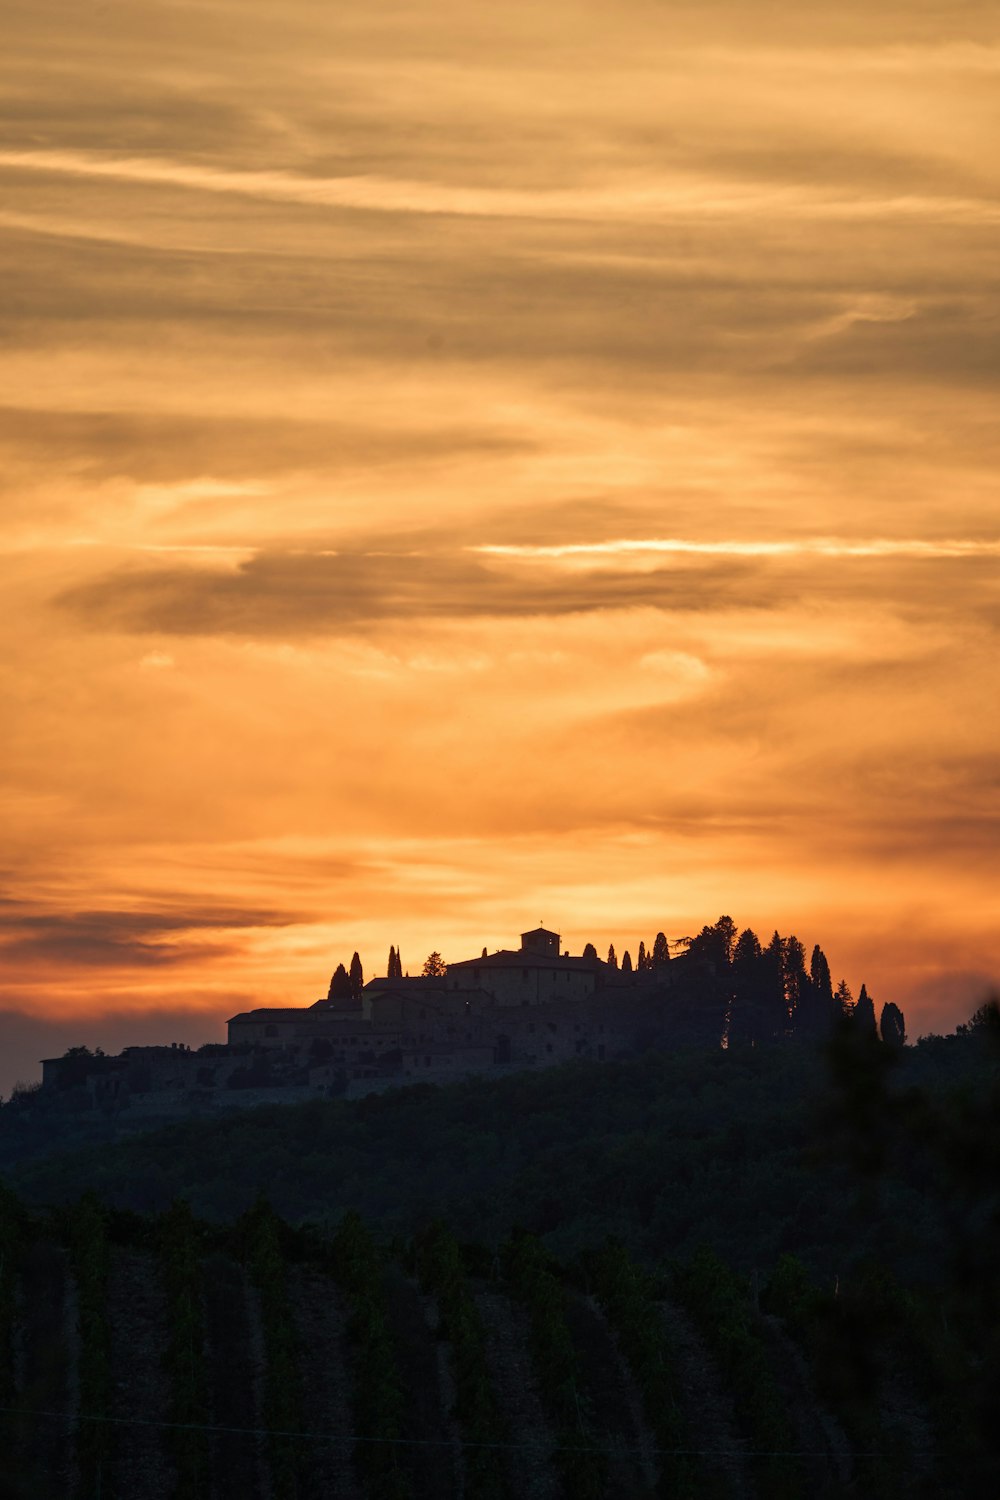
[[533, 1006]]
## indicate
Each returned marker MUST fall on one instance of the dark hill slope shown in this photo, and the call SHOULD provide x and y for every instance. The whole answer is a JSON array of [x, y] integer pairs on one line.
[[163, 1357], [747, 1151]]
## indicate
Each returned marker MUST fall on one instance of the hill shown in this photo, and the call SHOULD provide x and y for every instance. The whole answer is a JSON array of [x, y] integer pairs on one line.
[[753, 1152], [164, 1357]]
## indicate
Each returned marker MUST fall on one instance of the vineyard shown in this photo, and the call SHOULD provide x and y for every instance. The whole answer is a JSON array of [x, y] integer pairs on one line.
[[166, 1358]]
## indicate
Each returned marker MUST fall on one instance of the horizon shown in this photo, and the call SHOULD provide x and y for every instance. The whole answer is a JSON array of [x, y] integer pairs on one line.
[[462, 463]]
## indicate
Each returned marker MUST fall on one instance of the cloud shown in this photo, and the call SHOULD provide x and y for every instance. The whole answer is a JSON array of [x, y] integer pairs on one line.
[[564, 438], [171, 447], [125, 938], [825, 547], [664, 198], [303, 594], [320, 592]]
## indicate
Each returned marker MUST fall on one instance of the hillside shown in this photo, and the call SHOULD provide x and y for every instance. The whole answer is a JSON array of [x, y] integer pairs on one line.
[[752, 1151], [164, 1358]]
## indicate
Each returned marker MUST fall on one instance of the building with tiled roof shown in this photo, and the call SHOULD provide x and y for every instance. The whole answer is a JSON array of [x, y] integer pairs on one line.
[[537, 973]]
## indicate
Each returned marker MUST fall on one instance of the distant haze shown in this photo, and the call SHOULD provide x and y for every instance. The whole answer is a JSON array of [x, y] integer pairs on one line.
[[465, 466]]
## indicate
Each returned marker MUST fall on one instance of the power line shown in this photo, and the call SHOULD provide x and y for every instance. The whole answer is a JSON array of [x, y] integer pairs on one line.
[[329, 1437]]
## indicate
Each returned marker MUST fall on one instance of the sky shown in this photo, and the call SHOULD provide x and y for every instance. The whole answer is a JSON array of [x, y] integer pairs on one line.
[[466, 465]]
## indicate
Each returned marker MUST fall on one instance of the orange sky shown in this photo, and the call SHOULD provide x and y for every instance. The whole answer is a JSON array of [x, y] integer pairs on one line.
[[466, 464]]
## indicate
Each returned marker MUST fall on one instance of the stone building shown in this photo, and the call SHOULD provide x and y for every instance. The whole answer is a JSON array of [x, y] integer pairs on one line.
[[534, 974], [529, 1007]]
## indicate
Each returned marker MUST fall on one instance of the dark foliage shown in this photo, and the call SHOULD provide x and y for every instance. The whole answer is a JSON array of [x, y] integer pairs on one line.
[[752, 1151], [262, 1237], [180, 1249], [378, 1388], [718, 1300], [628, 1295], [341, 987], [87, 1227], [908, 1375], [439, 1259], [534, 1280]]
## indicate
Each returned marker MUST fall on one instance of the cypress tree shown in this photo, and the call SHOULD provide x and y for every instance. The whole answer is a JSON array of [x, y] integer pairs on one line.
[[643, 963], [340, 985], [864, 1013], [661, 949], [612, 957], [357, 977], [819, 973], [590, 952], [892, 1025], [626, 962]]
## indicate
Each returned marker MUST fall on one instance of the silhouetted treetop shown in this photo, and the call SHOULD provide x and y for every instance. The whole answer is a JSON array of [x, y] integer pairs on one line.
[[864, 1013], [892, 1025], [340, 985]]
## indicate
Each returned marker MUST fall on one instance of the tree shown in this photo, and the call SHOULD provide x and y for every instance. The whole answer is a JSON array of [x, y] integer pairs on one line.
[[843, 999], [661, 949], [340, 985], [817, 1009], [727, 935], [983, 1022], [612, 957], [773, 981], [864, 1013], [747, 1024], [590, 953], [434, 966], [395, 970], [819, 973], [357, 977], [626, 962], [796, 982], [716, 945], [892, 1025], [643, 963], [748, 950]]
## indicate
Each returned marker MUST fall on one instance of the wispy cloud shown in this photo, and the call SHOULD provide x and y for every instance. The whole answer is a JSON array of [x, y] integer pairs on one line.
[[829, 547], [673, 195], [127, 938]]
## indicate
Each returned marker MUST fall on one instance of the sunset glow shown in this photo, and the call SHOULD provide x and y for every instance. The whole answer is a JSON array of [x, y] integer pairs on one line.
[[466, 465]]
